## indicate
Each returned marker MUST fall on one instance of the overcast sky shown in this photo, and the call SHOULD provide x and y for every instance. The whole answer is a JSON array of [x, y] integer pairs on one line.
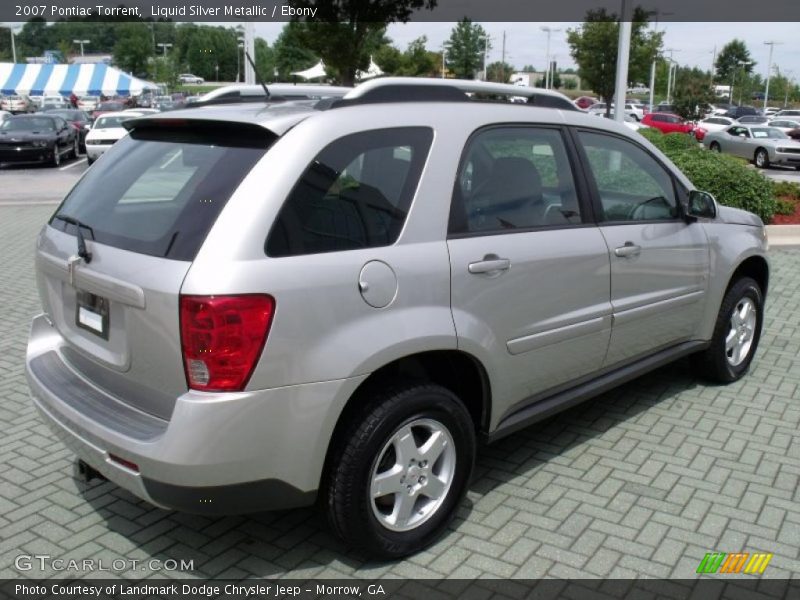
[[693, 42]]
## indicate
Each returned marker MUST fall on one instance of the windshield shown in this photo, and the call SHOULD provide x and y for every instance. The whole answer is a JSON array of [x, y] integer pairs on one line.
[[159, 191], [28, 124], [110, 122], [108, 106], [69, 115], [768, 132]]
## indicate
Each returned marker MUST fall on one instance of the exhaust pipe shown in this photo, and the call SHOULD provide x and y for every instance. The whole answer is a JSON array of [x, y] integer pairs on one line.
[[86, 472]]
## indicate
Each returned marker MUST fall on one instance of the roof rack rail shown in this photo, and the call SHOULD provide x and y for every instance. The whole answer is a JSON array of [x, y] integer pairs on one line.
[[417, 89]]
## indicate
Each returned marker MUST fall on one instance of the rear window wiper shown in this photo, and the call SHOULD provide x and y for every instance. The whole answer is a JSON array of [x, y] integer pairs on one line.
[[82, 251]]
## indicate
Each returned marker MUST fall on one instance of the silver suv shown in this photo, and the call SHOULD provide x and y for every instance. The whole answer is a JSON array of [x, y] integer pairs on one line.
[[256, 306]]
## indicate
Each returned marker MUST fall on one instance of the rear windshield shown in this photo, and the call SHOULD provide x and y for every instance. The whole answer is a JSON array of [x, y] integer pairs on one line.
[[29, 124], [159, 191], [110, 122]]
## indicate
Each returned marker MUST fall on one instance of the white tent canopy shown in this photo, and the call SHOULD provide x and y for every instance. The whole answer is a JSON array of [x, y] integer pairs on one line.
[[315, 72], [81, 80], [372, 71]]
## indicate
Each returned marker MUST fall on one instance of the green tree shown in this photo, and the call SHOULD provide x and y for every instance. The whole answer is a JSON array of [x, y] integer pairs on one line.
[[345, 33], [593, 46], [727, 63], [693, 92], [417, 60], [290, 53], [499, 72], [264, 59], [465, 49], [389, 59], [133, 48]]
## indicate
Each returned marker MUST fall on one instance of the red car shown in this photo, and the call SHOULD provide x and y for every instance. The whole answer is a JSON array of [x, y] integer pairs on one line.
[[667, 123], [585, 102]]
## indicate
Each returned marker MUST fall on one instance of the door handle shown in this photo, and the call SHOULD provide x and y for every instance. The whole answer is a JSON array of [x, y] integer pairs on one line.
[[628, 250], [491, 263]]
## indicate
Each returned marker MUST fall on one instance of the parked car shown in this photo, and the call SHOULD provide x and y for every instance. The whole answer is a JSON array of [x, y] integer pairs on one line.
[[667, 123], [247, 308], [105, 132], [585, 102], [737, 112], [78, 119], [189, 78], [163, 103], [784, 124], [88, 104], [50, 101], [752, 120], [17, 103], [765, 146], [788, 113], [108, 106], [37, 139], [665, 107], [714, 123], [771, 111]]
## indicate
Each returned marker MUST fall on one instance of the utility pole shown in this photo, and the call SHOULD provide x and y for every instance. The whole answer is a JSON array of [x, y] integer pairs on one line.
[[13, 46], [671, 64], [771, 45], [789, 85], [485, 55], [249, 48], [444, 56], [164, 48], [657, 13]]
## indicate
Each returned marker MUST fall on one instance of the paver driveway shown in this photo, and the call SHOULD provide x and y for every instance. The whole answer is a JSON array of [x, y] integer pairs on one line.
[[642, 481]]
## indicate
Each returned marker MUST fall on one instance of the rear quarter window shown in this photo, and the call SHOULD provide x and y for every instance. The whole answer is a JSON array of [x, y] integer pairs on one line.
[[356, 193]]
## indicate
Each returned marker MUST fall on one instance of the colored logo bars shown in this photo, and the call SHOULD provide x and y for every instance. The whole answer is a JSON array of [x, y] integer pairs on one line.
[[741, 562]]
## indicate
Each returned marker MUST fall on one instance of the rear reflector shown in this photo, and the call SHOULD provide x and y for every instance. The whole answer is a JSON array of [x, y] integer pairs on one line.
[[222, 338], [125, 463]]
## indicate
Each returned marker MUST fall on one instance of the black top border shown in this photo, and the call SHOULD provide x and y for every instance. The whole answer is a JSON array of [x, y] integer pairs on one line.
[[444, 10]]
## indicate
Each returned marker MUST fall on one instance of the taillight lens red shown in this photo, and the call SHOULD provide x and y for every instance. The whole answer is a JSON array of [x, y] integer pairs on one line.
[[222, 338]]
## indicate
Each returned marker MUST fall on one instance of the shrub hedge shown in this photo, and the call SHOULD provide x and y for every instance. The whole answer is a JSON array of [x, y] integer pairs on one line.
[[728, 178]]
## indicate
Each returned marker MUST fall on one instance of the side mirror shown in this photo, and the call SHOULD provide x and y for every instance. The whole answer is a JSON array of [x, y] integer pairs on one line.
[[699, 205]]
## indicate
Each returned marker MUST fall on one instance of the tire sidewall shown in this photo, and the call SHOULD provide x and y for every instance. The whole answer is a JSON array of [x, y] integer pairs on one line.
[[741, 289], [428, 402]]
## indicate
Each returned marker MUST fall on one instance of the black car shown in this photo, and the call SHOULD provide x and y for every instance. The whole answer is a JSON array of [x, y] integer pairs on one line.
[[37, 139], [78, 119], [741, 111]]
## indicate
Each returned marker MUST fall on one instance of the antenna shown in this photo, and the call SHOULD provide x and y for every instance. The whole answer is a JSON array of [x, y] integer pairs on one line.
[[258, 77]]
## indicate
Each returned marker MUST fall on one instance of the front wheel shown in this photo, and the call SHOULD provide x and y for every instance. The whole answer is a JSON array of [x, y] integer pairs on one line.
[[400, 470], [736, 333], [762, 158], [56, 161]]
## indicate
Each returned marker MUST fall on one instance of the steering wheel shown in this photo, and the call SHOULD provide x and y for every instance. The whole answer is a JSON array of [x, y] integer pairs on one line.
[[634, 214]]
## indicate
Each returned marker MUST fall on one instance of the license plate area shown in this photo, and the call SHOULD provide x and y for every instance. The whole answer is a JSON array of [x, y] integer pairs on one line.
[[91, 313]]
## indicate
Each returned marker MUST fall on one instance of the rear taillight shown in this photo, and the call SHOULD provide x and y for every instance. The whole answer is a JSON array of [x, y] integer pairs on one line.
[[222, 338]]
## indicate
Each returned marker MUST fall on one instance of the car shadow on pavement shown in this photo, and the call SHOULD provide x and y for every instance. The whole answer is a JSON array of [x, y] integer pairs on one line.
[[518, 474]]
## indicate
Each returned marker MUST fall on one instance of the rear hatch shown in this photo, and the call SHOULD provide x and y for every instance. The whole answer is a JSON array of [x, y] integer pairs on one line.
[[112, 259]]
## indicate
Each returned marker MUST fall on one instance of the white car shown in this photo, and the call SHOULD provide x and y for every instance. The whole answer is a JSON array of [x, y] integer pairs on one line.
[[715, 123], [107, 130], [635, 111], [4, 114], [88, 103], [189, 78], [53, 101], [785, 124]]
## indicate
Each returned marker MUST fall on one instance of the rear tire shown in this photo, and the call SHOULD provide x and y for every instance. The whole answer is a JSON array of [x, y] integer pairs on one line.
[[715, 147], [400, 470], [89, 160], [736, 333]]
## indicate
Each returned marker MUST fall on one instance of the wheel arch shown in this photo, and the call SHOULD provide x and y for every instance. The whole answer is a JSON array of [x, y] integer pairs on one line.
[[458, 371], [755, 267]]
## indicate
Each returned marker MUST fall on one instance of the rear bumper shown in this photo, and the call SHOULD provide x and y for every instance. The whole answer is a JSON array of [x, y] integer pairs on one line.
[[94, 151], [218, 454]]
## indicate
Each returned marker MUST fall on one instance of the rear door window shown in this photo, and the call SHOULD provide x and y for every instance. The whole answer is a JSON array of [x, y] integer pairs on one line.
[[158, 192], [356, 193]]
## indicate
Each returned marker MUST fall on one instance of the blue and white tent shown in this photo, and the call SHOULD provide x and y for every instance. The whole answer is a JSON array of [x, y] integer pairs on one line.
[[82, 80]]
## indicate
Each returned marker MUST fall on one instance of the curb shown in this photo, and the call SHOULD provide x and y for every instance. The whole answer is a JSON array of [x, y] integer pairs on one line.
[[783, 235]]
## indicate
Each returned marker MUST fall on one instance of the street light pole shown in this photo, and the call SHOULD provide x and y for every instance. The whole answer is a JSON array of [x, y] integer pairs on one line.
[[548, 79], [81, 42], [164, 48], [771, 45], [623, 55], [13, 47]]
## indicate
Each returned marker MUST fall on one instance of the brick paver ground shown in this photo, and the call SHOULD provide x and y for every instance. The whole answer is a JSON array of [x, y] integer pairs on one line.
[[642, 481]]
